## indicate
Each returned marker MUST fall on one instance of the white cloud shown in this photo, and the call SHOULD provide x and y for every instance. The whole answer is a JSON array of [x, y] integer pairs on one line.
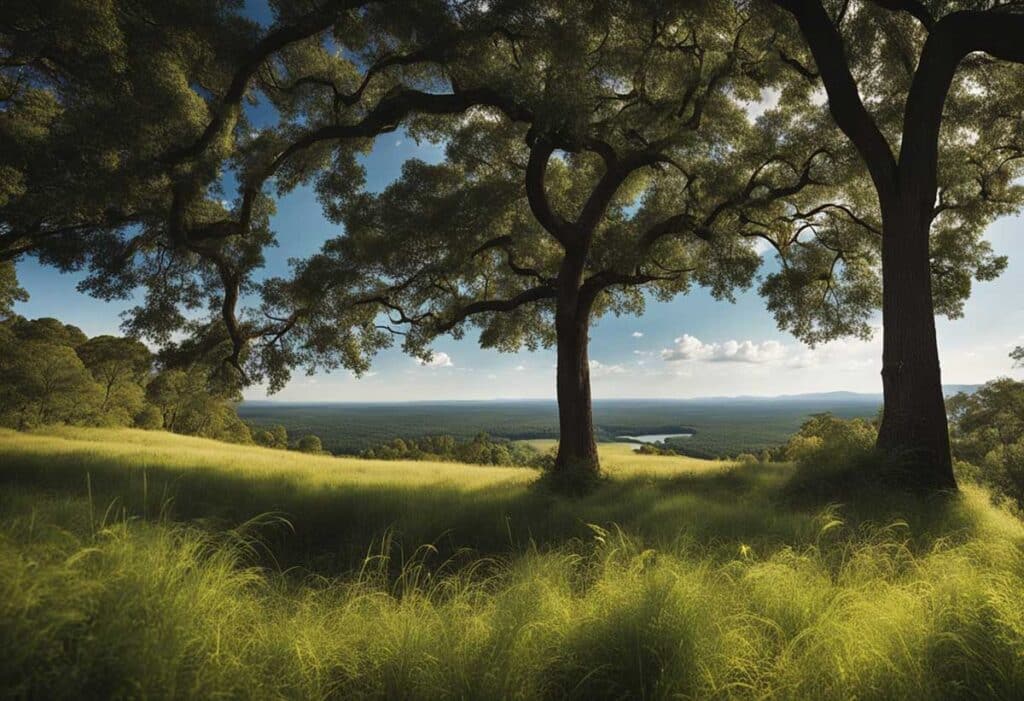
[[599, 369], [769, 100], [688, 347], [638, 334], [520, 368], [844, 354], [762, 247], [437, 360]]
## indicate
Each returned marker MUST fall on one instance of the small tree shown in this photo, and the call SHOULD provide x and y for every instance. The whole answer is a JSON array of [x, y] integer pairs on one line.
[[988, 432], [10, 292], [193, 404], [45, 383], [272, 437], [310, 443], [121, 366]]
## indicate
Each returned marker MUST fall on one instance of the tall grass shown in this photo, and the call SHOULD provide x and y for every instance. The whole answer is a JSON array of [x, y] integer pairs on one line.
[[678, 579]]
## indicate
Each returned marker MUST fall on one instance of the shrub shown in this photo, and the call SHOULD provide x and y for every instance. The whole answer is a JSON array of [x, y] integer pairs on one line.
[[149, 418], [309, 444], [825, 441], [988, 438]]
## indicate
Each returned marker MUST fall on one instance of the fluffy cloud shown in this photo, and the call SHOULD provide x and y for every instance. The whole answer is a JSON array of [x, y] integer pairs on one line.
[[437, 360], [688, 347], [846, 353], [638, 334], [598, 369]]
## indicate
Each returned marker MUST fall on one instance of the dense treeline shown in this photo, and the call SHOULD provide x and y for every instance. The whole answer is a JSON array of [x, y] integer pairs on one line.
[[52, 372], [480, 450], [720, 428]]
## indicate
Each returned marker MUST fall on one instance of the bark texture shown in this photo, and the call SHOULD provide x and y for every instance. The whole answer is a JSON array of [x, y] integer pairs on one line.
[[577, 462], [914, 430]]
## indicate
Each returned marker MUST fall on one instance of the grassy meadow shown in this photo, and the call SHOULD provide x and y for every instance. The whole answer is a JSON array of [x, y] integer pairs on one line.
[[147, 565]]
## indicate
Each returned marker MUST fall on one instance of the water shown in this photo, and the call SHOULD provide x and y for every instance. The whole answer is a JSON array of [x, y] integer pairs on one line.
[[655, 437]]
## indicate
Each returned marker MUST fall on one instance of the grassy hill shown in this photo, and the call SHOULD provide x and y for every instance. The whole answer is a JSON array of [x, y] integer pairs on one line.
[[141, 564]]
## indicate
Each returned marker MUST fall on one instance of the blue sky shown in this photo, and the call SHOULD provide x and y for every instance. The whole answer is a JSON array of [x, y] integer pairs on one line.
[[692, 346], [689, 347]]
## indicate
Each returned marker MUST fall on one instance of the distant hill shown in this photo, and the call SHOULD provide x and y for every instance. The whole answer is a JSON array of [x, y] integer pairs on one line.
[[721, 426], [950, 390], [724, 426]]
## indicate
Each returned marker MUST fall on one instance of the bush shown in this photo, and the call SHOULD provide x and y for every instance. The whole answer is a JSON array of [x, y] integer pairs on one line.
[[309, 444], [825, 441], [836, 459], [480, 450], [272, 437], [988, 438], [149, 418]]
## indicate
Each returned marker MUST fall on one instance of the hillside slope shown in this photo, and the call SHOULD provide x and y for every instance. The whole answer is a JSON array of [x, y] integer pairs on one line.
[[142, 564]]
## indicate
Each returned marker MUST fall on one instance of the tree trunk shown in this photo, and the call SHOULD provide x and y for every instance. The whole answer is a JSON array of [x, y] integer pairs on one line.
[[914, 429], [577, 463]]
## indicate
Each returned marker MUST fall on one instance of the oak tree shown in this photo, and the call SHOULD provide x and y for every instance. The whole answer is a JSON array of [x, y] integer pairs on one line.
[[928, 94], [621, 161]]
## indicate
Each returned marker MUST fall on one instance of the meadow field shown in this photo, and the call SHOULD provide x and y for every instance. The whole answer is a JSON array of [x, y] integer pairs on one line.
[[147, 565]]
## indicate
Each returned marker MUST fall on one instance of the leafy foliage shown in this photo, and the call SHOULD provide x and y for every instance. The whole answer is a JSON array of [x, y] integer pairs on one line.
[[272, 437], [480, 450], [826, 441], [831, 270], [988, 436], [10, 292], [53, 373], [309, 444]]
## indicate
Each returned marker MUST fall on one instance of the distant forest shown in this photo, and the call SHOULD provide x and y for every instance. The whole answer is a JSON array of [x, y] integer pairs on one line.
[[721, 427]]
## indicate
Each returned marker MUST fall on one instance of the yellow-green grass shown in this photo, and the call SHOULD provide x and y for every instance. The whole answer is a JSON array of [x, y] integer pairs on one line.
[[677, 578]]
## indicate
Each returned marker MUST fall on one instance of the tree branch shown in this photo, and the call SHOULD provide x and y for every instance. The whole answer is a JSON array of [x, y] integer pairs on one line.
[[844, 100], [914, 7], [303, 28], [534, 294], [540, 153], [505, 244]]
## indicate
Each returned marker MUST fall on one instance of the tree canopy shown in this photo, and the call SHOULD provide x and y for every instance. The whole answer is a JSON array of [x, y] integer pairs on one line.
[[927, 93], [595, 153], [53, 373]]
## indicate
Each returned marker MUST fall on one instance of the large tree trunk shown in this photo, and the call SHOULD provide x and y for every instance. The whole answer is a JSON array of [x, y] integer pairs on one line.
[[577, 464], [914, 429]]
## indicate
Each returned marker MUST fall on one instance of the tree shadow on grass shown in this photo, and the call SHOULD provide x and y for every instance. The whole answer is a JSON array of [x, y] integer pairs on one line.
[[335, 527]]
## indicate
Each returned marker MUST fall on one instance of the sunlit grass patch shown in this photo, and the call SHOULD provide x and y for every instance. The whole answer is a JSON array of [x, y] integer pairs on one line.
[[687, 581]]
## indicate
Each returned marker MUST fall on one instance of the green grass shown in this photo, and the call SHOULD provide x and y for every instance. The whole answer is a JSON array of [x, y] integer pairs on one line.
[[145, 565]]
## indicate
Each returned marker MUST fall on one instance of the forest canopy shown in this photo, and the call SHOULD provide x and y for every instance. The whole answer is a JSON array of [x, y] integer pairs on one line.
[[53, 373]]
